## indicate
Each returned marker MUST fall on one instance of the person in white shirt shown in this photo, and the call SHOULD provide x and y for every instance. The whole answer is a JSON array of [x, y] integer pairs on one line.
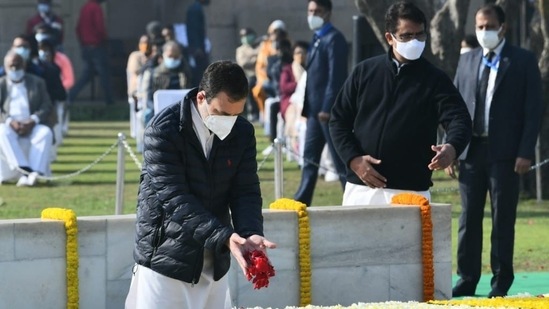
[[25, 138]]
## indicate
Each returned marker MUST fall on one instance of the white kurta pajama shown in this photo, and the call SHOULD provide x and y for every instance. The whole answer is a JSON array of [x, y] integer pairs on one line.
[[357, 195], [151, 290], [41, 138]]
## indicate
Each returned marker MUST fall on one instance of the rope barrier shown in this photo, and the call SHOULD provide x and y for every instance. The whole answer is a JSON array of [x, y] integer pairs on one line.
[[434, 190], [536, 166], [139, 165], [132, 154], [66, 176]]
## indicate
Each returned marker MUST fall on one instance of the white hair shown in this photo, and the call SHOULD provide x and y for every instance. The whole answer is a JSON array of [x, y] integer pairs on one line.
[[277, 24]]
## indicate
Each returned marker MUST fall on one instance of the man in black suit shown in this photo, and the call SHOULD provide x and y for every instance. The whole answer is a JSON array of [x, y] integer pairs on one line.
[[326, 72], [501, 86]]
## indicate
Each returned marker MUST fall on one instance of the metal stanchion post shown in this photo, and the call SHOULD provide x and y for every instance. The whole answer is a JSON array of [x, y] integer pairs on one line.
[[279, 179], [539, 192], [120, 170]]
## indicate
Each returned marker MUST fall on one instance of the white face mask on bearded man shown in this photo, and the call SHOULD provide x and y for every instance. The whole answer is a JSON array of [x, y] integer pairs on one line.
[[410, 50], [220, 125]]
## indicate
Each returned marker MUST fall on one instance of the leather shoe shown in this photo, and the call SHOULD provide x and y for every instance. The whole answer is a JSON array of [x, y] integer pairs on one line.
[[460, 291], [496, 293]]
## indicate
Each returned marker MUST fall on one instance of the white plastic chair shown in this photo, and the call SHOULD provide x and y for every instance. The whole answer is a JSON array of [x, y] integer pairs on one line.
[[161, 99], [166, 97]]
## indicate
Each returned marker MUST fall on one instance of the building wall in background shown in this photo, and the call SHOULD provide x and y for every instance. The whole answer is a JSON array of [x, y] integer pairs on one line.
[[126, 21]]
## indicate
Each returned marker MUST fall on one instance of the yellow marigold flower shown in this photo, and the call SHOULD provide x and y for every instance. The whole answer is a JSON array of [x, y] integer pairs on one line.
[[71, 229], [427, 238]]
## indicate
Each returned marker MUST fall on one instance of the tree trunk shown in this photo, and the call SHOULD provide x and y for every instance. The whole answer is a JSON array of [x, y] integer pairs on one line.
[[543, 7]]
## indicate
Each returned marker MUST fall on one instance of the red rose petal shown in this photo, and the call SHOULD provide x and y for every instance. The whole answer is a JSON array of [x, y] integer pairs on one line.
[[259, 269]]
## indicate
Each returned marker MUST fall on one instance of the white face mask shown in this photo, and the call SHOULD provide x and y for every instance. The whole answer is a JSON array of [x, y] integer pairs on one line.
[[43, 8], [171, 63], [410, 50], [218, 124], [16, 75], [23, 52], [41, 37], [315, 22], [488, 39]]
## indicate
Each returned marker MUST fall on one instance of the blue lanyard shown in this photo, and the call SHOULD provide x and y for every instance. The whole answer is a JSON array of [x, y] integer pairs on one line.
[[492, 64]]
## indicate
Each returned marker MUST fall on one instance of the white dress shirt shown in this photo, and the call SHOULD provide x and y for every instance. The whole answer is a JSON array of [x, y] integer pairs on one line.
[[491, 80], [19, 102], [205, 136]]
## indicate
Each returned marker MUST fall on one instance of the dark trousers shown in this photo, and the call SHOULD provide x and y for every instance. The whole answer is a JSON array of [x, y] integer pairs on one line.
[[95, 61], [478, 175], [273, 120], [316, 137], [252, 109]]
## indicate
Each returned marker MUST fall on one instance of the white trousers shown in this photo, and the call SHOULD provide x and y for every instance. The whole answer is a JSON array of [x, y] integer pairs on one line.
[[358, 195], [38, 155], [151, 290]]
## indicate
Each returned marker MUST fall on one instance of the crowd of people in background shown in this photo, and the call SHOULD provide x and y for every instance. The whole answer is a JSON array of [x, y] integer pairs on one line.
[[160, 62], [36, 78]]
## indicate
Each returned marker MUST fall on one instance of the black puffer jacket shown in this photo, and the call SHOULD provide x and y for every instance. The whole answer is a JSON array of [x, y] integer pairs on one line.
[[184, 198]]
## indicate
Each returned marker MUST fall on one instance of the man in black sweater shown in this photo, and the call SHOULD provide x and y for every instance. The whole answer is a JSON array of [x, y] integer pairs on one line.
[[384, 121]]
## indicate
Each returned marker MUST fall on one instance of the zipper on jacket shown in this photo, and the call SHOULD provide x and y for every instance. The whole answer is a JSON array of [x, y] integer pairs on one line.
[[385, 115], [158, 235]]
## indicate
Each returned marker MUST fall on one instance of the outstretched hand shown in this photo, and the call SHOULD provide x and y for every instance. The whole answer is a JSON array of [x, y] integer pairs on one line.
[[445, 155], [239, 246]]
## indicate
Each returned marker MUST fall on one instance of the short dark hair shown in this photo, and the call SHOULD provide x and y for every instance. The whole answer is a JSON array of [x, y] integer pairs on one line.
[[47, 44], [327, 4], [154, 28], [492, 8], [302, 44], [403, 10], [224, 76], [170, 27]]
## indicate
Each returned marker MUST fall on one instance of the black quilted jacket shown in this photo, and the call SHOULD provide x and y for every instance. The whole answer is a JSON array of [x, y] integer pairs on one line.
[[186, 202]]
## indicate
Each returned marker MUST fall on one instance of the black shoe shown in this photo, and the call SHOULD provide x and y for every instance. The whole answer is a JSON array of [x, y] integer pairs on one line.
[[496, 293], [460, 291]]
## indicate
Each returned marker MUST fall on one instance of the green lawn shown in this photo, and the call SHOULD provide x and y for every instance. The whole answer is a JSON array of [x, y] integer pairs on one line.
[[94, 192]]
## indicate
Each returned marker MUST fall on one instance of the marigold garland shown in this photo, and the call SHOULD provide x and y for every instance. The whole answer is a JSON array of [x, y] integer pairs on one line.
[[304, 240], [427, 239], [71, 229], [523, 302]]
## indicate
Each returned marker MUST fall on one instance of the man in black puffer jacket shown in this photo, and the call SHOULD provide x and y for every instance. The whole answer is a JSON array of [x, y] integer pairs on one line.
[[199, 198]]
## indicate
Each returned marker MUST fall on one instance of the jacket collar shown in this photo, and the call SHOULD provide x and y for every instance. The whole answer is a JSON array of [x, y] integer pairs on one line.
[[185, 119], [391, 62], [504, 62]]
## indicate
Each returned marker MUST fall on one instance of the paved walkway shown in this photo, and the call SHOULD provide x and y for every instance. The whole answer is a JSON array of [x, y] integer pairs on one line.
[[532, 283]]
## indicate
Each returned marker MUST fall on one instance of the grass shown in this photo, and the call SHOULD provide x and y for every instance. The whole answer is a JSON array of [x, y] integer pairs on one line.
[[94, 192]]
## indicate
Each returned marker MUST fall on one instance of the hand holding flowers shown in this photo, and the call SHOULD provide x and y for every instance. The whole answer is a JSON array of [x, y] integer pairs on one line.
[[250, 253]]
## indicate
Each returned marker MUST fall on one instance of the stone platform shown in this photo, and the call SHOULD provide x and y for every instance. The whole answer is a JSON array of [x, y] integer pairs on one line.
[[358, 254]]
